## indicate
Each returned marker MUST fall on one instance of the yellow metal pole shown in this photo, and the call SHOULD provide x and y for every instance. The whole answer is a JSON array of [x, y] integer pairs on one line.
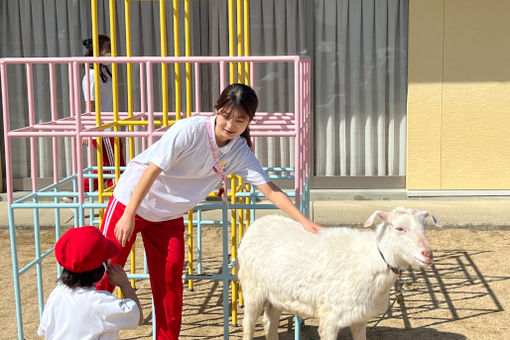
[[239, 39], [164, 70], [231, 38], [177, 66], [188, 53], [115, 89], [129, 75], [129, 68], [247, 40], [190, 248], [97, 102]]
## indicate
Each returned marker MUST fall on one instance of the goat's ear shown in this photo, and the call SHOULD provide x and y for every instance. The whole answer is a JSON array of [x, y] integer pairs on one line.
[[381, 214], [434, 219]]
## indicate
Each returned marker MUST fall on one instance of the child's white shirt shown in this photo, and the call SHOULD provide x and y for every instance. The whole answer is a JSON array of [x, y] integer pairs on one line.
[[105, 91], [84, 313], [184, 155]]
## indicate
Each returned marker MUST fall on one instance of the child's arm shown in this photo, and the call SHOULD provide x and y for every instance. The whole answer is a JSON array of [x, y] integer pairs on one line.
[[126, 224], [117, 276], [282, 201]]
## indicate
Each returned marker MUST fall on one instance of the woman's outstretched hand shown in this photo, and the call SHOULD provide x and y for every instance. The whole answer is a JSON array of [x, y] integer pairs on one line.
[[312, 227]]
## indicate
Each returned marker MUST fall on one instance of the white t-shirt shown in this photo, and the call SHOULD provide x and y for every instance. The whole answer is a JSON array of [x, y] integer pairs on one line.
[[184, 155], [86, 314], [105, 90]]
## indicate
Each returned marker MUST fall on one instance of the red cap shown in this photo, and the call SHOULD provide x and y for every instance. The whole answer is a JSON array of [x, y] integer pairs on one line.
[[83, 249]]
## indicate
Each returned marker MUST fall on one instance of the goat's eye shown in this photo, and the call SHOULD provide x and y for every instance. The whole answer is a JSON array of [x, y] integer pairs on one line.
[[399, 229]]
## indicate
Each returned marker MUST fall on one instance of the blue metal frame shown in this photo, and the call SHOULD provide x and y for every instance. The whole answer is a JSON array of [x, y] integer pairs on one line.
[[32, 201]]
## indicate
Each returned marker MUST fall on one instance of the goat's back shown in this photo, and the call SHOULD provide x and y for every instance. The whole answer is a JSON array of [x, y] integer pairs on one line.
[[278, 252]]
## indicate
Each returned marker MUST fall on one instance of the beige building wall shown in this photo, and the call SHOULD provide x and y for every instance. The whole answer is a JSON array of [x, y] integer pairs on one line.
[[458, 95]]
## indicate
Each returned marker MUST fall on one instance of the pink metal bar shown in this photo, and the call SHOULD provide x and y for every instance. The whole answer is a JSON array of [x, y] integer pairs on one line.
[[297, 141], [31, 120], [7, 126], [115, 134], [265, 127], [77, 139], [197, 88], [303, 149], [177, 60], [53, 104], [143, 107], [222, 76], [289, 133], [87, 87], [70, 76], [252, 72], [150, 103], [263, 132], [30, 133], [308, 87], [142, 91]]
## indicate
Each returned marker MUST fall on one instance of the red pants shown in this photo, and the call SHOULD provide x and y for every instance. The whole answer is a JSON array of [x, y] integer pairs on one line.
[[164, 248], [108, 160]]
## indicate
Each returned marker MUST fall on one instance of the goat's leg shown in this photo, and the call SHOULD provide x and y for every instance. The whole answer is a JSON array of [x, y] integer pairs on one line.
[[328, 327], [359, 331], [271, 321], [253, 305]]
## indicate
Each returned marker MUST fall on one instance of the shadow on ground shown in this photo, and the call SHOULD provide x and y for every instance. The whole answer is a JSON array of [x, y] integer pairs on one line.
[[381, 333]]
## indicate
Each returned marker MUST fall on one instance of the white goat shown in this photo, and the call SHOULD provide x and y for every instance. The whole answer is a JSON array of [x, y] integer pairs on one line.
[[340, 276]]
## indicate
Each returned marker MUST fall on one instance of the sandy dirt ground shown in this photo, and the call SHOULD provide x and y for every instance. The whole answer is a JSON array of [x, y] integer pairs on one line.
[[464, 295]]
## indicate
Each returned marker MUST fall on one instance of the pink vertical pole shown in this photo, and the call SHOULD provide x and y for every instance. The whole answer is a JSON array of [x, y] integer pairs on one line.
[[305, 116], [222, 75], [252, 85], [53, 104], [71, 113], [303, 130], [304, 122], [7, 128], [71, 104], [75, 93], [88, 107], [297, 141], [150, 104], [142, 89], [31, 120], [309, 125], [87, 87], [143, 107], [252, 78], [198, 98]]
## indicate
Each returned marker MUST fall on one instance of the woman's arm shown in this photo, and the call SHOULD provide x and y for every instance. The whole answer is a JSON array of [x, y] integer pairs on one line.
[[126, 224], [282, 201]]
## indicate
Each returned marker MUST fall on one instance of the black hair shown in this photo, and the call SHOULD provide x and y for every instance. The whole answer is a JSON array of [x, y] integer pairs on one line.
[[85, 279], [235, 97], [88, 44]]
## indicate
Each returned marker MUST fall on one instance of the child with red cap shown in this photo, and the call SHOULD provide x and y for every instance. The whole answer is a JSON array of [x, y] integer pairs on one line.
[[75, 309]]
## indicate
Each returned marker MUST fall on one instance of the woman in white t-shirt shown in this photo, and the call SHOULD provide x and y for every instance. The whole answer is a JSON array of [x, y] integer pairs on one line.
[[171, 177], [106, 100]]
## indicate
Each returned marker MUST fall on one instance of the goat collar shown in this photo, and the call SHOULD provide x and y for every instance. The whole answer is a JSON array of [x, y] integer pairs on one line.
[[393, 269]]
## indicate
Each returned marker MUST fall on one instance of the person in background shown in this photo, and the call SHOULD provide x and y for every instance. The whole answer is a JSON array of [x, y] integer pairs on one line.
[[106, 99]]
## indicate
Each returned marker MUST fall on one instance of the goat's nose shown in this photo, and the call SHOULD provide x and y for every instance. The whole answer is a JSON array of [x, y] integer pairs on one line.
[[428, 254]]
